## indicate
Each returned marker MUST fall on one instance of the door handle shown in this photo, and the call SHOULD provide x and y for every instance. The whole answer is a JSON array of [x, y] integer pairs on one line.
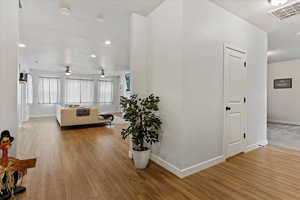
[[228, 108]]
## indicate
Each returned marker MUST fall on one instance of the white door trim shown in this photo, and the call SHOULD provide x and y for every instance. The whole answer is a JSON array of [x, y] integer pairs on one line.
[[231, 47]]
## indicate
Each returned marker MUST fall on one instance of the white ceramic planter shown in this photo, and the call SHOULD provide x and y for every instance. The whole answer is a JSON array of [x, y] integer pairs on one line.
[[130, 151], [141, 158]]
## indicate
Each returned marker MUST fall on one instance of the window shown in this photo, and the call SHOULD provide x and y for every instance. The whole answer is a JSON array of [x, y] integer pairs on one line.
[[105, 92], [49, 90], [79, 91], [29, 96]]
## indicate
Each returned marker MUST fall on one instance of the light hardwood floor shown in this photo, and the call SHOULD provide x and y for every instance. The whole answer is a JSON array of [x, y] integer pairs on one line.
[[92, 164]]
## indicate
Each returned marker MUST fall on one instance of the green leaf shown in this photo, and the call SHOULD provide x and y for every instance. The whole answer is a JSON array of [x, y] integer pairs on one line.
[[145, 123]]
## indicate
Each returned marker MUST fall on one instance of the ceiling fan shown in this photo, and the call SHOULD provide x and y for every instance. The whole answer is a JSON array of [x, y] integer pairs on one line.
[[102, 73], [20, 4]]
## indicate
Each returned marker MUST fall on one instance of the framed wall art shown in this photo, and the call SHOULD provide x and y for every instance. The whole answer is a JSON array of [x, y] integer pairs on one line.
[[283, 83]]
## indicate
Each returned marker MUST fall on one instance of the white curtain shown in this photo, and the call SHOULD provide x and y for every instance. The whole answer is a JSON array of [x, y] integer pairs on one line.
[[73, 91], [79, 91], [87, 91], [105, 92], [49, 90], [29, 96]]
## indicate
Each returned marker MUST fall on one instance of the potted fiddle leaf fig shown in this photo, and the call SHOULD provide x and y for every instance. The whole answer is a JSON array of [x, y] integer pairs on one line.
[[144, 126]]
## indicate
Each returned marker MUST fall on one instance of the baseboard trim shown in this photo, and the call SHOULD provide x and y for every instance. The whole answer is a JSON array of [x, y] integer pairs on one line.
[[283, 122], [201, 166], [168, 166], [182, 173], [40, 116], [257, 145]]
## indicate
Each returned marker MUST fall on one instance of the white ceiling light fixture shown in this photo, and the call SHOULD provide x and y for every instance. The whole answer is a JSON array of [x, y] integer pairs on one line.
[[100, 18], [107, 43], [93, 56], [65, 11], [102, 73], [277, 2], [68, 71], [64, 6], [21, 45]]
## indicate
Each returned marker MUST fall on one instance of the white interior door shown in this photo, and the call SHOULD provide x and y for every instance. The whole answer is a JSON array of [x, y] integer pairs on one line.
[[235, 100]]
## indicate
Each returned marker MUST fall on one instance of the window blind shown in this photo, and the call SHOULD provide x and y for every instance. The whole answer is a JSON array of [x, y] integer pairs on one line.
[[29, 88], [105, 92], [79, 91], [49, 90]]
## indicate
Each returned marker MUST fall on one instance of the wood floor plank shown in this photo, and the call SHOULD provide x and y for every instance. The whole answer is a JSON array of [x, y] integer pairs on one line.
[[93, 164]]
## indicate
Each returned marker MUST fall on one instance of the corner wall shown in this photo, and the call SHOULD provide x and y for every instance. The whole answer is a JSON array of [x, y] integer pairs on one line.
[[283, 104], [156, 61], [185, 68], [9, 37], [165, 77], [207, 27]]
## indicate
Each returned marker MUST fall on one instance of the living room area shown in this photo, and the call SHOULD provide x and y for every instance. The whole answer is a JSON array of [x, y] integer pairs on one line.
[[139, 100], [79, 99], [76, 75]]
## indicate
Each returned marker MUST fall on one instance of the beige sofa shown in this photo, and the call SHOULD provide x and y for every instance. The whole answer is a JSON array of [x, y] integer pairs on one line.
[[69, 117]]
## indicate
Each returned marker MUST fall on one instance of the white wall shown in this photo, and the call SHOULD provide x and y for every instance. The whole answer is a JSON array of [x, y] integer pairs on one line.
[[155, 52], [283, 104], [138, 53], [185, 68], [165, 76], [207, 27], [41, 110], [8, 65]]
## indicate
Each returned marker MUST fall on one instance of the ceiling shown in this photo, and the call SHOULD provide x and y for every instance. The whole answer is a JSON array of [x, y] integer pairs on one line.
[[284, 44], [54, 40]]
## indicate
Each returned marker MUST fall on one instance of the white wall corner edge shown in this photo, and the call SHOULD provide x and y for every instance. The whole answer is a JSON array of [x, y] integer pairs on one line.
[[257, 145], [283, 122], [182, 173]]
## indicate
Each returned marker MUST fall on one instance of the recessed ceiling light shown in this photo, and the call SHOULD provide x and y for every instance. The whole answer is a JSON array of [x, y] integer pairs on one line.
[[100, 18], [21, 45], [107, 42], [65, 11], [93, 56], [277, 2]]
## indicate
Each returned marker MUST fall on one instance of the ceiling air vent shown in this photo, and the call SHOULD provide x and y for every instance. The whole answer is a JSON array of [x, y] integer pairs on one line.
[[286, 11]]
